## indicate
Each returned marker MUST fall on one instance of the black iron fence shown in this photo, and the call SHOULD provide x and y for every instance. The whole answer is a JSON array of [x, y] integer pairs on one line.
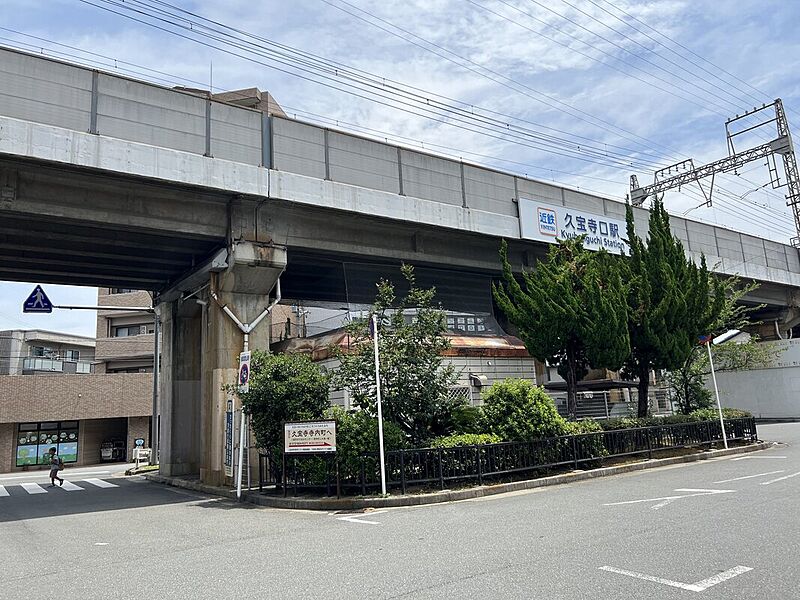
[[438, 467]]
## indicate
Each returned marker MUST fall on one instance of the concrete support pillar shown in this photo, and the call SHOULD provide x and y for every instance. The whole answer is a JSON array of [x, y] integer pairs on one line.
[[180, 400], [222, 343], [201, 343]]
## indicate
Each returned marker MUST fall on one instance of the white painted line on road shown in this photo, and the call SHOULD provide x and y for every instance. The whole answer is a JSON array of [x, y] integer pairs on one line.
[[699, 586], [358, 518], [780, 479], [101, 543], [33, 488], [751, 476], [100, 483], [71, 487], [664, 500], [720, 577], [3, 491], [45, 474], [751, 457]]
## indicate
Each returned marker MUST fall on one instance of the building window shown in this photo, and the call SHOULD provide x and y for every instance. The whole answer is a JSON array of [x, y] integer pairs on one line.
[[130, 330], [120, 290], [72, 355], [37, 351], [34, 441], [83, 367]]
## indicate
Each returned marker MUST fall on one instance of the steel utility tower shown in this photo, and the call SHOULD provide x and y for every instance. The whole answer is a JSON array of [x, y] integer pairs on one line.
[[685, 172]]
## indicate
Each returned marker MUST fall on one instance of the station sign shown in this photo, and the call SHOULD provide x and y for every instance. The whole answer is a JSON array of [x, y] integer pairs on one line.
[[309, 437], [549, 223]]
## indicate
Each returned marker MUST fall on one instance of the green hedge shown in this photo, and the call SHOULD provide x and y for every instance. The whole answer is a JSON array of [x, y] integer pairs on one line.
[[705, 414], [466, 439]]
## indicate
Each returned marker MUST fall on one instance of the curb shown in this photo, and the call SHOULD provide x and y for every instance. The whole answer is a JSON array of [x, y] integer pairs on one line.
[[446, 495]]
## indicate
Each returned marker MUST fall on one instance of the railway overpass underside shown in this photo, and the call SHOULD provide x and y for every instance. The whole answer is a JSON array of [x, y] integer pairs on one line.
[[108, 181]]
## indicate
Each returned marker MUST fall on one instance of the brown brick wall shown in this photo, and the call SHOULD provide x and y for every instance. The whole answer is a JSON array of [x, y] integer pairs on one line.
[[138, 427], [124, 347], [7, 447], [64, 397]]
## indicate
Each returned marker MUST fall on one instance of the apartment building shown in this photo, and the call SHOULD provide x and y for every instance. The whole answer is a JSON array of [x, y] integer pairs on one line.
[[76, 393]]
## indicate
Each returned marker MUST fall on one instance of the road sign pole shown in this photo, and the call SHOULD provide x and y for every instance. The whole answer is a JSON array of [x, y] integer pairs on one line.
[[716, 391], [380, 408], [244, 387]]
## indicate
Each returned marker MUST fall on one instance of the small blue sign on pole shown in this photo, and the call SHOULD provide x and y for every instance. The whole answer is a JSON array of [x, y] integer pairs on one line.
[[37, 302]]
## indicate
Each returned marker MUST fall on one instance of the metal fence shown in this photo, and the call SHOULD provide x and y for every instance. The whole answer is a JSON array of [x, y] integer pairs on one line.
[[438, 467]]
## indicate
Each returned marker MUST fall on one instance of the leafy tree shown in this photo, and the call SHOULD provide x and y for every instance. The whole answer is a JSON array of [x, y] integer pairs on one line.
[[571, 312], [671, 301], [414, 378], [688, 382], [518, 411], [283, 387]]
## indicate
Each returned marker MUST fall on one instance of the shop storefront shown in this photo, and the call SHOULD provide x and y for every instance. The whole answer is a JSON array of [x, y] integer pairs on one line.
[[34, 441]]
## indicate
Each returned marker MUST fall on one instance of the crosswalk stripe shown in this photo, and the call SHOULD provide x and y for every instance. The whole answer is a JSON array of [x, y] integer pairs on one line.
[[100, 483], [33, 488], [71, 487], [3, 491]]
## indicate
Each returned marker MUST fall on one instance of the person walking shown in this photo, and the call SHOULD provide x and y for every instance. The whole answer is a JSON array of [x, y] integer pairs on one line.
[[56, 464]]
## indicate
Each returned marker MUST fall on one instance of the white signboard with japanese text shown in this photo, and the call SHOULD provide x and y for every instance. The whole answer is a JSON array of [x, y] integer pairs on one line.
[[550, 223], [309, 436]]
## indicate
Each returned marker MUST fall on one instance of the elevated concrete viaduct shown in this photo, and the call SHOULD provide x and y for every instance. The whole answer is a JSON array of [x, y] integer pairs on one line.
[[113, 182]]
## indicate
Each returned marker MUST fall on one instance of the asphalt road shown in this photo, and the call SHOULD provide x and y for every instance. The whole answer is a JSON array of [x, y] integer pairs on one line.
[[723, 529]]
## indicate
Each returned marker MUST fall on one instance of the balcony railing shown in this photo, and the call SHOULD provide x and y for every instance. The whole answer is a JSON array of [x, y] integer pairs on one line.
[[51, 365]]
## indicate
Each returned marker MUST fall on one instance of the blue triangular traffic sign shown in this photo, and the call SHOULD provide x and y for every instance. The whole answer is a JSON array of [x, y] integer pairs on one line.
[[37, 302]]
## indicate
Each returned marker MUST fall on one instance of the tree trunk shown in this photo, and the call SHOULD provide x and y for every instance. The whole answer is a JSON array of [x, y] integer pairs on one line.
[[572, 387], [643, 387]]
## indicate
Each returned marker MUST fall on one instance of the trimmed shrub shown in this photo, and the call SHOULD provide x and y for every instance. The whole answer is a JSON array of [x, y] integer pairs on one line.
[[357, 434], [468, 419], [590, 445], [518, 411], [711, 414], [466, 439]]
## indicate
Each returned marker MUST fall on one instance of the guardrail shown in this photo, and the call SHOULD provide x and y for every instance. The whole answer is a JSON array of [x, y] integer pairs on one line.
[[437, 467]]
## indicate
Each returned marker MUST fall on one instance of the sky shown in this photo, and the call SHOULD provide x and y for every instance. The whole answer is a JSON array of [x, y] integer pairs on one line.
[[580, 92]]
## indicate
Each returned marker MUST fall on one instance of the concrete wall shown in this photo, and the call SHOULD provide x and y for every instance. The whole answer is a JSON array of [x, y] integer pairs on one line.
[[770, 393], [65, 397]]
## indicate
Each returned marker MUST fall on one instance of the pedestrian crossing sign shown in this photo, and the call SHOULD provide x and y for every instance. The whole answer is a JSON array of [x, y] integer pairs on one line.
[[37, 302]]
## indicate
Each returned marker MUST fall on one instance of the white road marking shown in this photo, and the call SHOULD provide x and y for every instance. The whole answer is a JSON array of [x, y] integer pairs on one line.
[[71, 487], [664, 500], [3, 492], [358, 518], [44, 474], [780, 479], [101, 543], [699, 586], [33, 488], [100, 483], [751, 476], [751, 457]]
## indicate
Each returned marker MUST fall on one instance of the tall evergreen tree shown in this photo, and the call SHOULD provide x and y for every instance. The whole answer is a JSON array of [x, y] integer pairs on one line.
[[572, 311], [671, 301]]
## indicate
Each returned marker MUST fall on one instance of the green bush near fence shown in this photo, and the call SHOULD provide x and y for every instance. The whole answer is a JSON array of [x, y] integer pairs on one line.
[[466, 439], [518, 411]]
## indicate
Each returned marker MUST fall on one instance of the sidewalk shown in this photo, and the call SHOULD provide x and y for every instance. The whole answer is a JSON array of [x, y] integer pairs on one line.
[[392, 501]]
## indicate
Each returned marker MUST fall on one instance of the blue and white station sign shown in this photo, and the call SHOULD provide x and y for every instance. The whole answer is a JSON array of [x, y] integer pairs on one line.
[[550, 223]]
